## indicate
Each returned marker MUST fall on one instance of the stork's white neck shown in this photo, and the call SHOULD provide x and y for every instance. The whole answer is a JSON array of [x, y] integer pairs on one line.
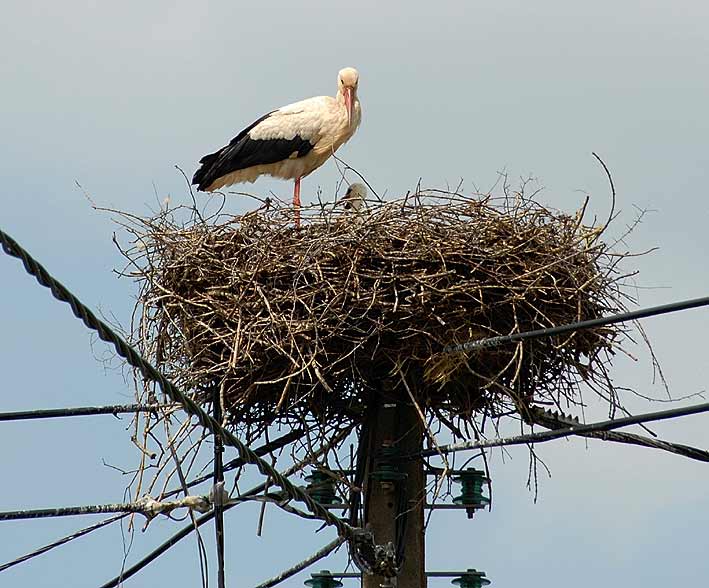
[[356, 110]]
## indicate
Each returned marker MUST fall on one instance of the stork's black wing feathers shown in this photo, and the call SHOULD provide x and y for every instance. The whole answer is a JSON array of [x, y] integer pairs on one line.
[[206, 173], [244, 151]]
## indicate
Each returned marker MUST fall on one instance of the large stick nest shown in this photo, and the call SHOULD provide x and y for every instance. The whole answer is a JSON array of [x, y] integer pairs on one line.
[[293, 323]]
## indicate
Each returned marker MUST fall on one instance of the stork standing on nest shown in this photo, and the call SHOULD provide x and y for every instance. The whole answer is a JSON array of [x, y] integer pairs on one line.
[[288, 143]]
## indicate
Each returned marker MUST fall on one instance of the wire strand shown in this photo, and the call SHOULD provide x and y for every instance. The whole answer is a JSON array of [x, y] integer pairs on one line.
[[580, 429], [50, 413], [70, 511], [62, 541], [571, 327], [556, 421]]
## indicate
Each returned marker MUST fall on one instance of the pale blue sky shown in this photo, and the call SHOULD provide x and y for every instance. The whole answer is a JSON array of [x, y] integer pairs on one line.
[[114, 95]]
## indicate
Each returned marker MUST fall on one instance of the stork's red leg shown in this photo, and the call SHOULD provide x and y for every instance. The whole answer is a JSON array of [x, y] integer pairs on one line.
[[296, 202]]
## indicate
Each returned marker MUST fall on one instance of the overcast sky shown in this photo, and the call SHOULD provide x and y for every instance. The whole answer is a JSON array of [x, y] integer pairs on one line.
[[115, 95]]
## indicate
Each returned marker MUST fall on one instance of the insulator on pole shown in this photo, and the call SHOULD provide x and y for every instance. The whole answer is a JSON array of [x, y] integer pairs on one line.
[[323, 579], [387, 471], [471, 495], [321, 487], [471, 579]]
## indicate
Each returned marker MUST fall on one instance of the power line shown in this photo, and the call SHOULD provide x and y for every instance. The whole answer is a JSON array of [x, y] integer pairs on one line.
[[62, 541], [557, 421], [149, 372], [50, 413], [579, 429], [588, 324], [147, 506], [70, 511], [151, 507]]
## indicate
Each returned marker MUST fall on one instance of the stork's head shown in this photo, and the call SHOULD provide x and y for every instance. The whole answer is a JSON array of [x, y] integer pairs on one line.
[[347, 81], [355, 197]]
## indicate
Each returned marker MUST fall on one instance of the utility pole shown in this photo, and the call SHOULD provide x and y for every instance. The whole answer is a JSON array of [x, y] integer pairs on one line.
[[395, 494]]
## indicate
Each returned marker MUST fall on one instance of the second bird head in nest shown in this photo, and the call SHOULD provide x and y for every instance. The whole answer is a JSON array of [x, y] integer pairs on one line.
[[355, 199]]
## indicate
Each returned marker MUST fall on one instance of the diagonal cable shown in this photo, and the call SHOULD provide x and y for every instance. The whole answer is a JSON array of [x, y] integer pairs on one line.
[[149, 372], [62, 541], [568, 431], [553, 420]]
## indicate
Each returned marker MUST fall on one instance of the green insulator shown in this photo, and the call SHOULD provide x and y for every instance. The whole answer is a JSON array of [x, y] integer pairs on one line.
[[471, 579], [387, 473], [321, 487], [387, 467], [323, 579], [472, 481]]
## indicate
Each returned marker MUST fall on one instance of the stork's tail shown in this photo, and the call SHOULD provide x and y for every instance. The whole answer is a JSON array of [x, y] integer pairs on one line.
[[203, 177]]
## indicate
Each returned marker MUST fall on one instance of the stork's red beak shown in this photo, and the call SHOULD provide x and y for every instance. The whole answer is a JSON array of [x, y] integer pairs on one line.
[[348, 105]]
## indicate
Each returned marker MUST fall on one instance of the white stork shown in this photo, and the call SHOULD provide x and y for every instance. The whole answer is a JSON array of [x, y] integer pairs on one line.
[[288, 143], [355, 198]]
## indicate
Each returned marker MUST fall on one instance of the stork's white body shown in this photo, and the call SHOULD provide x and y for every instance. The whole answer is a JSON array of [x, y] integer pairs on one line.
[[288, 143], [321, 121]]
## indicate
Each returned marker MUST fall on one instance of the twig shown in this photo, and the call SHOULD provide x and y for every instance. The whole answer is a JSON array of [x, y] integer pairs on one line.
[[610, 180]]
